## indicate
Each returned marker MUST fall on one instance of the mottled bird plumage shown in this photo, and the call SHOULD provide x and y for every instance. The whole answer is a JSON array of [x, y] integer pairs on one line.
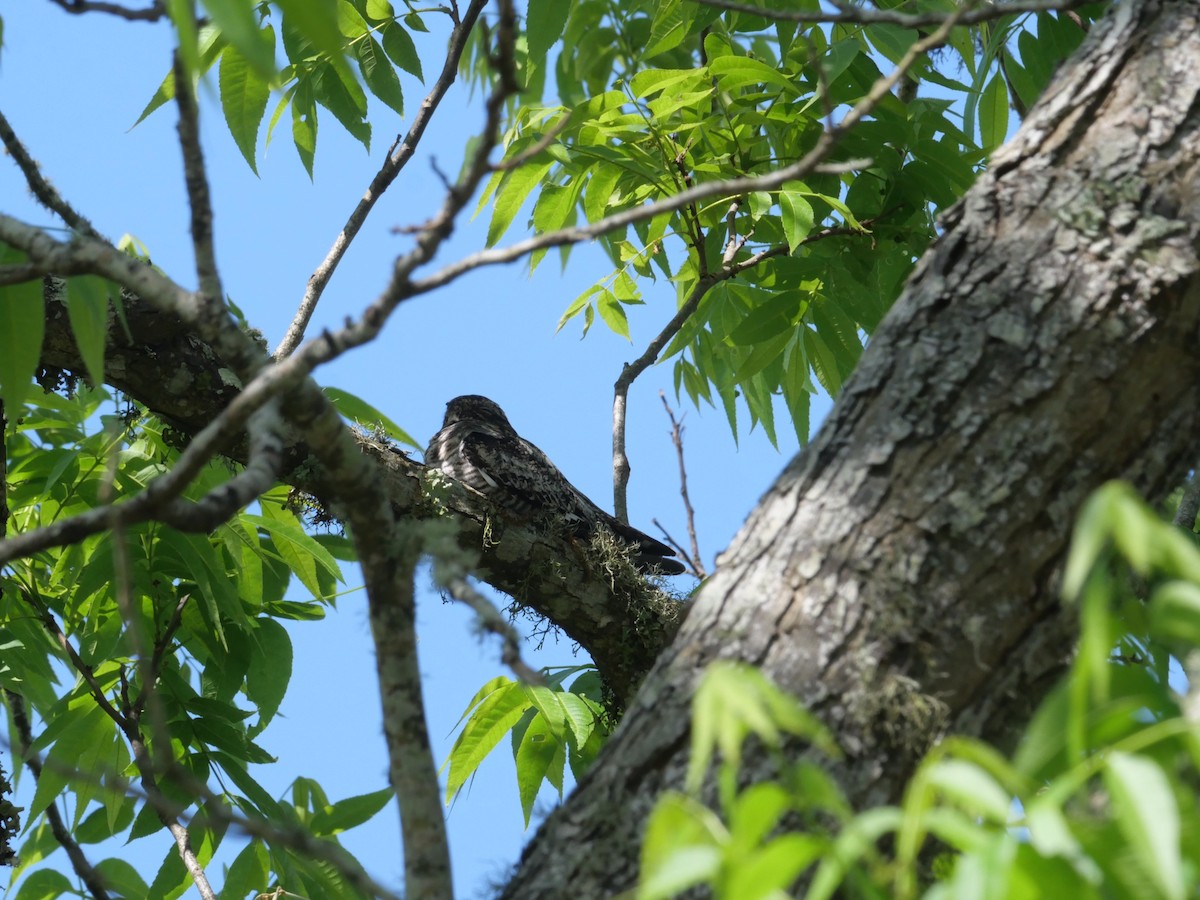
[[479, 447]]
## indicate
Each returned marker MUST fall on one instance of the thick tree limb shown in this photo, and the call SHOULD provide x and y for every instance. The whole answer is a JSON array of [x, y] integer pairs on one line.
[[901, 576]]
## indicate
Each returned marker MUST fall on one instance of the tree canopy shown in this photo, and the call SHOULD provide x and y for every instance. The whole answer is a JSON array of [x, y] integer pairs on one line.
[[879, 691]]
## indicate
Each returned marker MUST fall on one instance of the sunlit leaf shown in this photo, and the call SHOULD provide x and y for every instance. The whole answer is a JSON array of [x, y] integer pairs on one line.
[[244, 95]]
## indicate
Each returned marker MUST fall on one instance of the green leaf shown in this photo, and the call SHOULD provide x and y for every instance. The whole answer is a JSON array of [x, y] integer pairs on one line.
[[297, 548], [893, 41], [398, 45], [244, 95], [613, 314], [87, 308], [541, 756], [544, 25], [775, 316], [510, 196], [359, 411], [269, 671], [993, 113], [336, 88], [1175, 612], [87, 728], [316, 21], [346, 814], [672, 18], [492, 713], [734, 72], [379, 10], [1148, 816], [378, 73], [972, 788], [304, 123], [122, 876], [98, 825], [797, 214], [183, 17], [350, 23], [238, 23], [44, 884], [250, 871], [22, 327], [681, 849]]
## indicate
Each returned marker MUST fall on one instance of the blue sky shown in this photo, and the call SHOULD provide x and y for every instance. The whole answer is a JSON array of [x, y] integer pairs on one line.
[[72, 87]]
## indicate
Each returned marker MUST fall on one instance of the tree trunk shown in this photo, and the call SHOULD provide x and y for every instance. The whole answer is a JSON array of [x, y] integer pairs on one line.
[[901, 576]]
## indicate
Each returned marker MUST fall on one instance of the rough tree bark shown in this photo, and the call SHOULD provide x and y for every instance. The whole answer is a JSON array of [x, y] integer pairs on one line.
[[900, 577]]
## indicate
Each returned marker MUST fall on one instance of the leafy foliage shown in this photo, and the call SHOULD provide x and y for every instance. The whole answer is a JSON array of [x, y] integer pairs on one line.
[[665, 96], [84, 627], [1098, 800], [549, 725], [320, 41], [147, 649]]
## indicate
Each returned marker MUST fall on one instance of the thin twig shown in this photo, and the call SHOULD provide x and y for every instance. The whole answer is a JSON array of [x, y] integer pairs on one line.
[[861, 16], [85, 671], [402, 151], [530, 152], [79, 862], [42, 189], [196, 179], [151, 14], [694, 557], [492, 621]]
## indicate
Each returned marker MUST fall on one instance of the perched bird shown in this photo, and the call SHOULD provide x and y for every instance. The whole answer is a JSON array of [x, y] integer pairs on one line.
[[479, 447]]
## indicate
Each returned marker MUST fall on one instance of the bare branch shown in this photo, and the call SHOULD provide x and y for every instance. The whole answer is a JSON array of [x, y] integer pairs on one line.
[[85, 671], [152, 13], [79, 862], [402, 151], [45, 192], [696, 560], [199, 199], [18, 273], [412, 770], [974, 12], [492, 621]]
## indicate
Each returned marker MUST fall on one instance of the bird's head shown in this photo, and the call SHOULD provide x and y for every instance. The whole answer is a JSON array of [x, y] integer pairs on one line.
[[472, 407]]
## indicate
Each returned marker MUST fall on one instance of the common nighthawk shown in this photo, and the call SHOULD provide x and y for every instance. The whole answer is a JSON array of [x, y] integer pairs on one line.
[[479, 447]]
